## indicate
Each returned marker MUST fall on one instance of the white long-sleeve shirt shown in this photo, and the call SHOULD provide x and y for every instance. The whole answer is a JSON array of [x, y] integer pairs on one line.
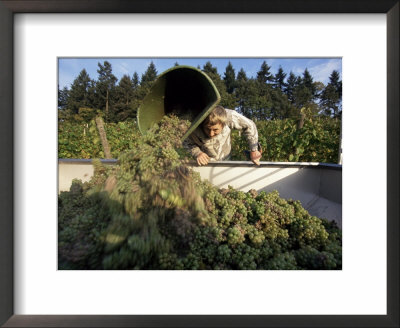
[[219, 146]]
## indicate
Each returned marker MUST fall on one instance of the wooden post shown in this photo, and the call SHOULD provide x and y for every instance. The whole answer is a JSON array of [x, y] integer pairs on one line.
[[107, 102], [103, 137], [300, 122]]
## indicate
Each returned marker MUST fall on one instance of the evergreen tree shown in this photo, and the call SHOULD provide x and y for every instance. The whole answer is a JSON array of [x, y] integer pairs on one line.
[[259, 101], [124, 96], [241, 76], [208, 68], [264, 75], [240, 91], [105, 87], [305, 92], [136, 97], [279, 79], [227, 100], [291, 85], [146, 82], [331, 96], [143, 89], [139, 92], [302, 96], [91, 95], [150, 75], [254, 98], [334, 79], [62, 98], [308, 82], [135, 80], [281, 107], [262, 102], [79, 94], [246, 94], [124, 90], [229, 78], [64, 113]]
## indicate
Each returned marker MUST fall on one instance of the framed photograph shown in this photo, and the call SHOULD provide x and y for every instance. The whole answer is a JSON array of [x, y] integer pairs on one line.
[[35, 34]]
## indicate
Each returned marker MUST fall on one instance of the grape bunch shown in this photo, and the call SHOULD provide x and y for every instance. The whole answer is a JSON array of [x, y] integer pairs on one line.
[[152, 212]]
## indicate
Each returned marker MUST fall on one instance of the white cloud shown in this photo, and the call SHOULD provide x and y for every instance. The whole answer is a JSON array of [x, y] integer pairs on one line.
[[123, 68], [322, 72], [298, 70]]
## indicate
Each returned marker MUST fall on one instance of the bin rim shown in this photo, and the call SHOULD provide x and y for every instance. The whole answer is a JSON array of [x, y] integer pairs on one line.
[[192, 68]]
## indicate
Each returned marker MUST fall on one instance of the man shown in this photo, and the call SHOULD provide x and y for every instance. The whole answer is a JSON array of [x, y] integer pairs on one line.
[[212, 139]]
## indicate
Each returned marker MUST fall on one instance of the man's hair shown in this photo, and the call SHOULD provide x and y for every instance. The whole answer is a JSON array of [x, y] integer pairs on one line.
[[217, 116]]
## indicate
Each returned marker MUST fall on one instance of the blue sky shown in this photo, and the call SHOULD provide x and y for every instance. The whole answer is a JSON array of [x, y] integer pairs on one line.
[[320, 68]]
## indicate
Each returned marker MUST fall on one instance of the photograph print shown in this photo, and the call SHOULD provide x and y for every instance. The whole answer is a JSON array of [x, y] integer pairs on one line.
[[199, 163]]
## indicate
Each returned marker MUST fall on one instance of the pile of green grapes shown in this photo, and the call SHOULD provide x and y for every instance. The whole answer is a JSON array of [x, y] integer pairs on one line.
[[151, 211]]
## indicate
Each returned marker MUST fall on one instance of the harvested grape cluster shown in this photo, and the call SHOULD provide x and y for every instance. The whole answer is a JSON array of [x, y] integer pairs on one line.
[[151, 211]]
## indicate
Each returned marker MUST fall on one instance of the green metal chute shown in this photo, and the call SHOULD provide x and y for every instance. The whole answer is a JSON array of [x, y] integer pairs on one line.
[[184, 91]]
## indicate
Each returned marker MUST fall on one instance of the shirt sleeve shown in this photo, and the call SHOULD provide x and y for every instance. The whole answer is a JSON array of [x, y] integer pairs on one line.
[[239, 122], [191, 146]]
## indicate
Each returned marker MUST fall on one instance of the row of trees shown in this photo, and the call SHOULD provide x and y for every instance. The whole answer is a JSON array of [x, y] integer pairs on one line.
[[264, 97]]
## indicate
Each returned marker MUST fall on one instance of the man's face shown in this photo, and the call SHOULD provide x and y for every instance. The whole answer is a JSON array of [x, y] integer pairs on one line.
[[212, 130]]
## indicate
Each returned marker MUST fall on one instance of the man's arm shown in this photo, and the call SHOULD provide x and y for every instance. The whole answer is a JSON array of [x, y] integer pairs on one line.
[[240, 122], [192, 147], [201, 157]]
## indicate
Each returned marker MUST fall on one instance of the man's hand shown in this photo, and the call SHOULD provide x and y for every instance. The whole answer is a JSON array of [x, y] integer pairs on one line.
[[203, 159], [255, 157]]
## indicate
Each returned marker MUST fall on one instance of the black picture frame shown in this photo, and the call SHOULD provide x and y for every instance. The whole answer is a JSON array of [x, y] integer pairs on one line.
[[10, 7]]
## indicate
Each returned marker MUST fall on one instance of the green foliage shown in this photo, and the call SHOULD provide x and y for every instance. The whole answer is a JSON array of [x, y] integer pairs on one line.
[[121, 136], [317, 141], [153, 212], [81, 140], [85, 114], [78, 140], [82, 220]]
